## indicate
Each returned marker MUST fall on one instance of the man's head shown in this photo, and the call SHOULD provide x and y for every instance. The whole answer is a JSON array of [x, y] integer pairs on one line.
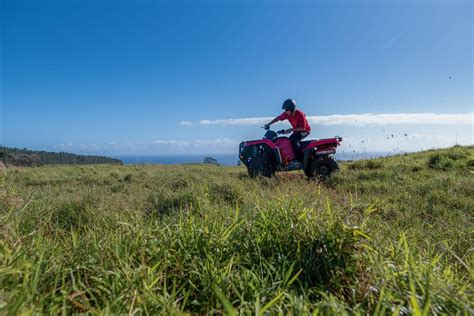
[[289, 105]]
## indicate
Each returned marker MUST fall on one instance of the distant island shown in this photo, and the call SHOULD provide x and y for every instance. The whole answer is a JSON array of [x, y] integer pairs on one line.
[[31, 158], [211, 161]]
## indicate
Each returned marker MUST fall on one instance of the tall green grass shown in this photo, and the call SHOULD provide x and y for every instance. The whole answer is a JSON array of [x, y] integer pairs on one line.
[[385, 236]]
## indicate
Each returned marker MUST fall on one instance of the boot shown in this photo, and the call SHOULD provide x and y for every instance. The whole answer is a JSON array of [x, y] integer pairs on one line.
[[293, 165]]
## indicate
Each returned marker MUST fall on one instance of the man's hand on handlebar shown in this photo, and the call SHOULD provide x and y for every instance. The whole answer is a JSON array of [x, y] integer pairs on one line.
[[282, 131]]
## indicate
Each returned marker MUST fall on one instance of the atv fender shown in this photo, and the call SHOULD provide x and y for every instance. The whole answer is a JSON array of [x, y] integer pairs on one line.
[[314, 152], [265, 143]]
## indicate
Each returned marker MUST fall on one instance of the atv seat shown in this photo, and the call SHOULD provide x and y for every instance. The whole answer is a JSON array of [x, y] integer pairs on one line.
[[304, 144]]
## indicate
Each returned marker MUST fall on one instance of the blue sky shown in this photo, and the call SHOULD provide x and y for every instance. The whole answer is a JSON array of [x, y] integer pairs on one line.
[[167, 77]]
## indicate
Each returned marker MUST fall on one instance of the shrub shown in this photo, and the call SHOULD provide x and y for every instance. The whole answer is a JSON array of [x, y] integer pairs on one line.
[[117, 187], [164, 202], [179, 183], [416, 168], [72, 214], [369, 164], [374, 164], [324, 249], [372, 175], [470, 163], [225, 191], [457, 154], [438, 161]]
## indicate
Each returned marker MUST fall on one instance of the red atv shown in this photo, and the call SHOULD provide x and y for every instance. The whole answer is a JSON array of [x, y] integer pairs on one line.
[[272, 153]]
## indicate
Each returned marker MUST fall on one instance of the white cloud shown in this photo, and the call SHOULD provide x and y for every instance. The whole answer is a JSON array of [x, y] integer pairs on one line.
[[197, 143], [240, 122], [65, 146], [401, 142], [356, 145], [359, 119], [401, 118], [370, 136], [171, 142], [159, 146], [186, 123]]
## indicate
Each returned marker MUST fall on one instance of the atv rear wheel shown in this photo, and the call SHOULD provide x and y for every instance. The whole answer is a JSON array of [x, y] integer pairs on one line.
[[262, 165], [321, 167]]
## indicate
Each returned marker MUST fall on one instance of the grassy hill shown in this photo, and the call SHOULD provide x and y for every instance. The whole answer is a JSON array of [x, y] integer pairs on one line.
[[385, 236], [31, 158]]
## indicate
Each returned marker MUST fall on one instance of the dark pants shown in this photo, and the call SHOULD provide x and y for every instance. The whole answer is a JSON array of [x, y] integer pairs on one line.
[[295, 142]]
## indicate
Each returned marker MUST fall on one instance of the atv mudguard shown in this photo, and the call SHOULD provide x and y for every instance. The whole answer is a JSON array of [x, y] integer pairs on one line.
[[321, 147], [265, 143], [315, 152]]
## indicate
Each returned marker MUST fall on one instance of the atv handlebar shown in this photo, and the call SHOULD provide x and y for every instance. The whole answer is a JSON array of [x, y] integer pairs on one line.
[[267, 127]]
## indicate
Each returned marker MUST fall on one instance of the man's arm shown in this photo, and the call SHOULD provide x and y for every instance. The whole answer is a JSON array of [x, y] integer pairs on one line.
[[276, 119], [296, 129]]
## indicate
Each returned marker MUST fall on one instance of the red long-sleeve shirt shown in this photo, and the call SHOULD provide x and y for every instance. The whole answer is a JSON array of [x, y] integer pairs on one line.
[[298, 119]]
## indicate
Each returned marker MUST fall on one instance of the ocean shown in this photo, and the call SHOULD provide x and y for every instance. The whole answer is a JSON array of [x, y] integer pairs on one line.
[[223, 159]]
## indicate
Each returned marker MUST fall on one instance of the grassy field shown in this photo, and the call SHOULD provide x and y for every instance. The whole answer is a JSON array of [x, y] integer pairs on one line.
[[385, 236]]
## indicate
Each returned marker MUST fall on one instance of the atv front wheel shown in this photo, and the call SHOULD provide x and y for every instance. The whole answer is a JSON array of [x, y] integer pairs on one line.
[[262, 165], [321, 167]]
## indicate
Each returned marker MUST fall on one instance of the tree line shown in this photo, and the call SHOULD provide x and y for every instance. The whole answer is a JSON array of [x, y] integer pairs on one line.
[[27, 158]]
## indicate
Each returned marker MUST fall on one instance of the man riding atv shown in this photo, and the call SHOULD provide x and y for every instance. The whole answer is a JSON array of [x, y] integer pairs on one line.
[[264, 157], [300, 126]]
